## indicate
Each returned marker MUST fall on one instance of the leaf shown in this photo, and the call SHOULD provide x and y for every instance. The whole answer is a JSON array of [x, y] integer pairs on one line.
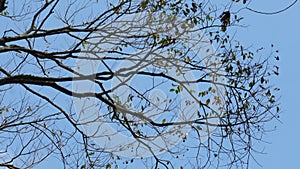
[[29, 109], [225, 18], [108, 166], [233, 56], [271, 100], [268, 93], [130, 97], [251, 84], [188, 59], [245, 106], [83, 44], [275, 72], [198, 127], [179, 88], [53, 133], [207, 102]]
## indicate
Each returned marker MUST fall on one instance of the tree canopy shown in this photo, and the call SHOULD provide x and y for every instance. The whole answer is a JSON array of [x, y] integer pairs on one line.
[[153, 83]]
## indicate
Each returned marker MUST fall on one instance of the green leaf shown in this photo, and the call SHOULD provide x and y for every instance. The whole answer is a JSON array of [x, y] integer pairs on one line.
[[245, 106], [83, 44], [233, 56], [179, 88], [198, 127], [144, 4]]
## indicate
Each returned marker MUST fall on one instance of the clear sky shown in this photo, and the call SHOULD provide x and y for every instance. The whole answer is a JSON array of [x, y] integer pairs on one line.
[[283, 30]]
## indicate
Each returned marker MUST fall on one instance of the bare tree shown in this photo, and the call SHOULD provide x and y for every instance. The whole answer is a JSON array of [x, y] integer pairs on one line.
[[90, 84]]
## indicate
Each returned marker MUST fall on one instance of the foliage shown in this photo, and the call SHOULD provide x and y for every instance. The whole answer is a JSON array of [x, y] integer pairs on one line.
[[60, 55]]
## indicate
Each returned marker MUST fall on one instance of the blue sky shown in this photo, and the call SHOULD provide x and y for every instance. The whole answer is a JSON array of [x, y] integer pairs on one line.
[[282, 30]]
